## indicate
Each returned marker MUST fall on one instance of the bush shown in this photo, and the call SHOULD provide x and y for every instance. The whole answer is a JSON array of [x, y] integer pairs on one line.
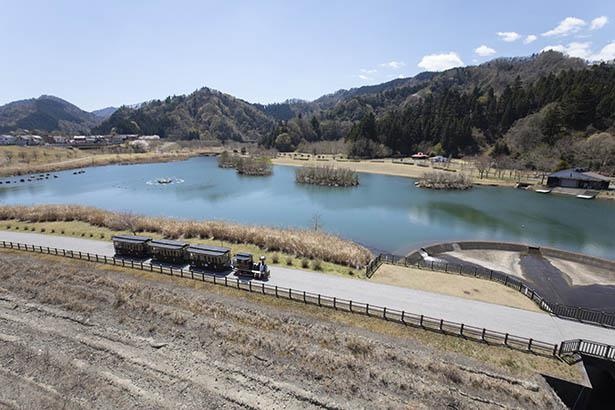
[[326, 176], [289, 261], [443, 180], [254, 166], [317, 264], [275, 258], [305, 263]]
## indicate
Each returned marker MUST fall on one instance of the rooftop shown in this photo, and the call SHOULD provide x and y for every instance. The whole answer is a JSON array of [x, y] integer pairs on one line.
[[168, 244], [579, 174], [130, 238], [208, 250]]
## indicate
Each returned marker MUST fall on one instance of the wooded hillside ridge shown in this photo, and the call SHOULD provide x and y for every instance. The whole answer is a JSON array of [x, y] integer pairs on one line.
[[536, 111]]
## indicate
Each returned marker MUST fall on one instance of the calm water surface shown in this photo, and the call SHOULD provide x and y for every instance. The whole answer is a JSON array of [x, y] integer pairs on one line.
[[385, 213]]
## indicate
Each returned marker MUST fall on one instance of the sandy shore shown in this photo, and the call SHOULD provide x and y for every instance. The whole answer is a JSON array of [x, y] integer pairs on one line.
[[388, 167]]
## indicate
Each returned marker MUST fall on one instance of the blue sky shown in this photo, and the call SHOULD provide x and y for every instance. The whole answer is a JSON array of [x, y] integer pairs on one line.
[[102, 53]]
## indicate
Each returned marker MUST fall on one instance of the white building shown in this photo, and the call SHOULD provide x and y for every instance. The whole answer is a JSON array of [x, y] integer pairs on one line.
[[7, 140]]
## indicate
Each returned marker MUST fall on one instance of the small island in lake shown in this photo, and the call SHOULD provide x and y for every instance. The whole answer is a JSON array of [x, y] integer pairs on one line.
[[444, 180], [327, 176], [253, 166]]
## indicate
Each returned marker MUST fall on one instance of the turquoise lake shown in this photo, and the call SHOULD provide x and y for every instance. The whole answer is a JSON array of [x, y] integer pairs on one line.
[[385, 213]]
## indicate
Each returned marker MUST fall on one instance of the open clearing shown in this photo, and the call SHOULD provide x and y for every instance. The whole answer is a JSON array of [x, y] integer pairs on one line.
[[454, 285], [77, 335]]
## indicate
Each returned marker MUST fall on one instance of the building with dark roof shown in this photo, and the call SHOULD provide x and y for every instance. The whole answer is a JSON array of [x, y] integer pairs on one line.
[[578, 178]]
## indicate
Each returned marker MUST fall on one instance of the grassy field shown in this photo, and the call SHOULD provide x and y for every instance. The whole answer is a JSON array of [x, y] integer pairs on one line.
[[80, 229], [454, 285], [97, 334], [27, 160]]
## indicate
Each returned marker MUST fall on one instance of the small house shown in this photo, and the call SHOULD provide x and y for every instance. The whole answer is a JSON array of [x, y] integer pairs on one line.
[[7, 140], [131, 246], [578, 178], [164, 250], [209, 257]]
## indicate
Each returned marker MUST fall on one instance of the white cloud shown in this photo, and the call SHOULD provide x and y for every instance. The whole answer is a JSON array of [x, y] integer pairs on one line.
[[509, 36], [364, 77], [394, 65], [484, 51], [574, 49], [530, 39], [606, 54], [368, 71], [598, 22], [440, 62], [569, 25]]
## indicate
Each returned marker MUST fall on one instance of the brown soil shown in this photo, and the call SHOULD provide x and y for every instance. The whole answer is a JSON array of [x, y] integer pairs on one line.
[[78, 335], [454, 285]]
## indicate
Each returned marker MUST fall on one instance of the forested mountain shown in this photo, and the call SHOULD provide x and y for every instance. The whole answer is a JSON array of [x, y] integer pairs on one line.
[[204, 114], [44, 115], [531, 110]]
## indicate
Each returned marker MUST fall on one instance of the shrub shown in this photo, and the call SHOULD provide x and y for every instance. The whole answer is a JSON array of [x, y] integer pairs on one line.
[[317, 264], [254, 166], [43, 230], [275, 258], [305, 263], [289, 261], [326, 176], [443, 180]]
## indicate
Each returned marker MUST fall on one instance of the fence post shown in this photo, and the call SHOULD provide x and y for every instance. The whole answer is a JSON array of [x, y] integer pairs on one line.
[[441, 322], [276, 291], [421, 321], [461, 330], [506, 280], [482, 336], [319, 299], [350, 304], [506, 339], [250, 285], [529, 345], [403, 313], [334, 307], [490, 274], [262, 287]]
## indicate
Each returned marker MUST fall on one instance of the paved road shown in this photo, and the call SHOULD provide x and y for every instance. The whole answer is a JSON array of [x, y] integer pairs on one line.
[[519, 322]]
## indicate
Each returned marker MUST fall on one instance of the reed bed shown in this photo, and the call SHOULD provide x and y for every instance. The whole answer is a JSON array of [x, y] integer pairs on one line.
[[326, 176], [255, 166], [301, 242], [443, 180]]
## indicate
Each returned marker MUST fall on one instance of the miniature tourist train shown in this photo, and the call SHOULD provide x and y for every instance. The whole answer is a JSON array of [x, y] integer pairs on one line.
[[199, 257]]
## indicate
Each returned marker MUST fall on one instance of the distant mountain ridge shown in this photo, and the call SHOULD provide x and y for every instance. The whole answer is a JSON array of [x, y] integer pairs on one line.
[[46, 114], [211, 114]]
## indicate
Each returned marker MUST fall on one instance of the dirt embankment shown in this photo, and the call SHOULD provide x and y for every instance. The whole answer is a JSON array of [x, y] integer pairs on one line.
[[75, 335]]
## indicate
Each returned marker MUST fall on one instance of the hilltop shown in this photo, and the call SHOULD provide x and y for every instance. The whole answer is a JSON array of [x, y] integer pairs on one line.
[[45, 114]]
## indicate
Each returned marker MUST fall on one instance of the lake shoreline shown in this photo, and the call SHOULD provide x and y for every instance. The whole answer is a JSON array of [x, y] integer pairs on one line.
[[406, 170]]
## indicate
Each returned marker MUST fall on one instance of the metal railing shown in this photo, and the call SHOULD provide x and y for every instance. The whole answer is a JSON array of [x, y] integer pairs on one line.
[[591, 316], [393, 315], [587, 347]]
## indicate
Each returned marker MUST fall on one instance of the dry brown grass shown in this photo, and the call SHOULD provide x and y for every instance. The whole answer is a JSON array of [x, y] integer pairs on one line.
[[306, 243], [454, 285], [336, 356], [31, 160]]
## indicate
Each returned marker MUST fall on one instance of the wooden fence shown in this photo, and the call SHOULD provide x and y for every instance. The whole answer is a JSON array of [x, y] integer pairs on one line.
[[590, 316], [398, 316]]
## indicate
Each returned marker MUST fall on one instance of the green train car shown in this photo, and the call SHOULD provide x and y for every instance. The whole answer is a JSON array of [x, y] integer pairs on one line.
[[131, 246], [209, 257]]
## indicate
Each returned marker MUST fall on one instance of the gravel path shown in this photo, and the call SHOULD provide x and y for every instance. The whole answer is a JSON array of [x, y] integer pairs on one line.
[[518, 322]]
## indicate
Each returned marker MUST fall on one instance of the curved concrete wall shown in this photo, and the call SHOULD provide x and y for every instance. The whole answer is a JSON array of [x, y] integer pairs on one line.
[[515, 247]]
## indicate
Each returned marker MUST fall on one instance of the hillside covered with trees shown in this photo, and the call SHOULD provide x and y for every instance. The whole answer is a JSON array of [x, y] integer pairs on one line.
[[45, 114], [537, 111], [205, 114]]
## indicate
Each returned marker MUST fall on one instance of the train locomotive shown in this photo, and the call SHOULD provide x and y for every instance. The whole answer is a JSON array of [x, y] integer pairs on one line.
[[198, 257]]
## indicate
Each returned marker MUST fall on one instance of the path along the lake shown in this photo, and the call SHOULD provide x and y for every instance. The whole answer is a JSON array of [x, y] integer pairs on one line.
[[536, 325]]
